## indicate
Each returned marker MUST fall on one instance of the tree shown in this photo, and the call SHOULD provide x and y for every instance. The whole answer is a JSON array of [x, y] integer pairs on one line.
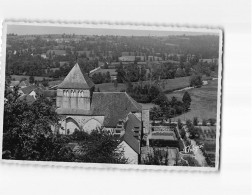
[[157, 157], [31, 79], [120, 73], [153, 92], [28, 135], [161, 100], [100, 146], [27, 130], [115, 83], [196, 81], [180, 125], [195, 121], [107, 77], [182, 133], [186, 100]]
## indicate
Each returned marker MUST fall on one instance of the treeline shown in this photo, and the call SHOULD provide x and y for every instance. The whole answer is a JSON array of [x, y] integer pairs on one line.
[[169, 108], [130, 73], [23, 63], [99, 78], [165, 108]]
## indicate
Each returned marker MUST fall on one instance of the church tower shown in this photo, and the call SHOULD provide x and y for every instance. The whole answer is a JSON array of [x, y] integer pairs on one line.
[[75, 92]]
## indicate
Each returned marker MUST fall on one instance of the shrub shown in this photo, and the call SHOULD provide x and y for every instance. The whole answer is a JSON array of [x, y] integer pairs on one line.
[[180, 125], [196, 81]]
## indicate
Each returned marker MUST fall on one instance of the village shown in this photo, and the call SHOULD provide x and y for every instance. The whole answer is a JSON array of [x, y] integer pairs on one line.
[[98, 88]]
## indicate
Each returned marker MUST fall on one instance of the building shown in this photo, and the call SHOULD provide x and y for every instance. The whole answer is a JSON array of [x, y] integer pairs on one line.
[[24, 84], [43, 55], [14, 84], [30, 90], [83, 109], [131, 147]]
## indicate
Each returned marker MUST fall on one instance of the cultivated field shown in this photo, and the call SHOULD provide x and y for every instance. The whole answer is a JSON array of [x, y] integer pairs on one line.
[[168, 85], [109, 87], [204, 101], [19, 77], [165, 85]]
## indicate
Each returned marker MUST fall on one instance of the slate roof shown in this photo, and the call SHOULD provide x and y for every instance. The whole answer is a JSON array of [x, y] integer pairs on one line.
[[129, 138], [76, 79], [24, 83], [29, 89], [132, 122], [14, 83], [112, 105]]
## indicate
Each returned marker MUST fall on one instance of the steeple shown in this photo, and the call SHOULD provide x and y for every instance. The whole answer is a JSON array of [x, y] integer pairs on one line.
[[76, 79], [75, 91]]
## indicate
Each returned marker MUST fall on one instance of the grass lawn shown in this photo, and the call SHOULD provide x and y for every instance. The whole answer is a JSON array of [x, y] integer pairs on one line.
[[167, 85], [204, 101], [19, 77]]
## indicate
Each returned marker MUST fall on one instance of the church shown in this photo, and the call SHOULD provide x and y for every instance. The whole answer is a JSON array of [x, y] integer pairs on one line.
[[81, 108]]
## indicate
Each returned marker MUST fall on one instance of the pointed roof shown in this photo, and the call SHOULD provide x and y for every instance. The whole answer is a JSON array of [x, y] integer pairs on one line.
[[76, 79]]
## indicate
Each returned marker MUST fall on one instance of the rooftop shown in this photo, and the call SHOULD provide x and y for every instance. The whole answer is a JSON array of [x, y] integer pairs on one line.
[[112, 105], [76, 79]]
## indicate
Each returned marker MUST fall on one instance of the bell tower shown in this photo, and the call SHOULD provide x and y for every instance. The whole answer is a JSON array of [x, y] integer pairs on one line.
[[75, 92]]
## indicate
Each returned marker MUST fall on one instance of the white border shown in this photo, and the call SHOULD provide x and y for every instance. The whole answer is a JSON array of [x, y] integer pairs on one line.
[[110, 25]]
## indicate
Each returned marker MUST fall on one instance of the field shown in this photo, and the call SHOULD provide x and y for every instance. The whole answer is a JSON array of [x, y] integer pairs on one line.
[[168, 85], [19, 77], [208, 139], [112, 71], [109, 87], [165, 85], [204, 101]]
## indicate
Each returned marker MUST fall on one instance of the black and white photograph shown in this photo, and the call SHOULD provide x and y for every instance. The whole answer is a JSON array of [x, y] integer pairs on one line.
[[97, 95], [125, 97]]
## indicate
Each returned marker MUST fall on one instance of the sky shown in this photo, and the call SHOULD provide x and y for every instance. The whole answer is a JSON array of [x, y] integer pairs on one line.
[[36, 30]]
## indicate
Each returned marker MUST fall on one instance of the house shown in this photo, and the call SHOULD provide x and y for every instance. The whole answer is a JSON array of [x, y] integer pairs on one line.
[[131, 147], [83, 109], [30, 90], [24, 84], [43, 55], [127, 58], [14, 84]]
